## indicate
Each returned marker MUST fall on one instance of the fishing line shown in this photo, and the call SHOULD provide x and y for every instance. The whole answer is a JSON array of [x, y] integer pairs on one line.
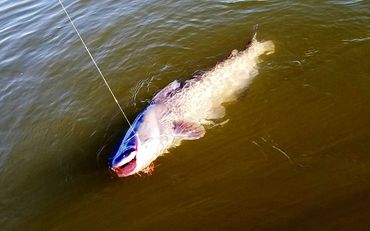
[[96, 65]]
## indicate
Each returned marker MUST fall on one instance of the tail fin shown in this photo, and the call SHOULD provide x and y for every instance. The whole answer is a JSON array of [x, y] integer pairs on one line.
[[269, 47]]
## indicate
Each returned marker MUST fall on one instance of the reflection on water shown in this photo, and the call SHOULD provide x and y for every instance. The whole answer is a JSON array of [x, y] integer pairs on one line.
[[294, 154]]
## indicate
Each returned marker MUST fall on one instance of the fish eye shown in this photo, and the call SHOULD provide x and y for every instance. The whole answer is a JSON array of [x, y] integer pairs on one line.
[[118, 158], [127, 152]]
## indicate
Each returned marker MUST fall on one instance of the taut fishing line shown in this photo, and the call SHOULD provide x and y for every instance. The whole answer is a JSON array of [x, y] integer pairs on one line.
[[96, 65]]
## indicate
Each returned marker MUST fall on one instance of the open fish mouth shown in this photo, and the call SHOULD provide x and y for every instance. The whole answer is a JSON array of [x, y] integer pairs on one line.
[[125, 169], [128, 167]]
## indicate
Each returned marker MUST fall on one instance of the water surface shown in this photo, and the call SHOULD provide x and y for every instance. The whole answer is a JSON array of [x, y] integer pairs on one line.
[[310, 102]]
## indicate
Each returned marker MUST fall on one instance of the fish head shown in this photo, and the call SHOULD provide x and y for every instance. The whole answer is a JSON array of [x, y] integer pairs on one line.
[[124, 161], [138, 149]]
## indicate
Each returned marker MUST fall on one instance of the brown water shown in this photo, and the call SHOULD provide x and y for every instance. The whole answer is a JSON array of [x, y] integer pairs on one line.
[[295, 154]]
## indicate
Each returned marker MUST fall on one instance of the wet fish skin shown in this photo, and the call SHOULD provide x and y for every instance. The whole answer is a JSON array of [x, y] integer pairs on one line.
[[181, 109]]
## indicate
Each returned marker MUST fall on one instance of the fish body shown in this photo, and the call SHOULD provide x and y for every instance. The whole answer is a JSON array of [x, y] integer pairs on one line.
[[180, 110]]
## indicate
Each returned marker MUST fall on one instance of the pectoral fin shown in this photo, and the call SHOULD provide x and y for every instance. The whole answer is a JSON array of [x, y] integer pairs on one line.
[[188, 130]]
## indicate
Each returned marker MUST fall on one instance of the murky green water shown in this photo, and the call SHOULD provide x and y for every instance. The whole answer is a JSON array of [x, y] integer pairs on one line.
[[311, 101]]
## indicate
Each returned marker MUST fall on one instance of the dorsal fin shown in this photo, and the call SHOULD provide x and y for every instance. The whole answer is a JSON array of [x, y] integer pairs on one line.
[[166, 92], [198, 74]]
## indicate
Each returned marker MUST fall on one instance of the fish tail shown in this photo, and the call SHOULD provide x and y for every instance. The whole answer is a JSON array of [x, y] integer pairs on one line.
[[269, 47]]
